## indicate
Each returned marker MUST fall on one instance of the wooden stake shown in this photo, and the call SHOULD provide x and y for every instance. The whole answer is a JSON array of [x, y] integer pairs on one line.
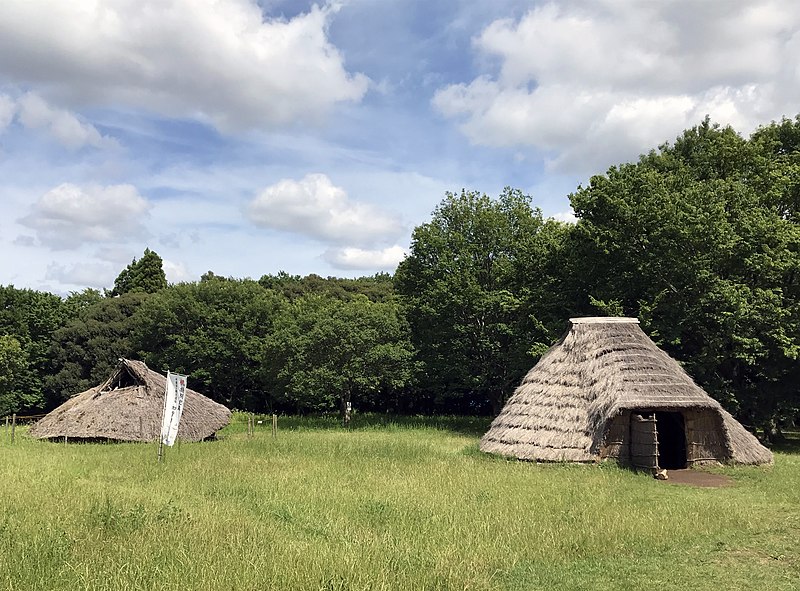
[[274, 426], [13, 426]]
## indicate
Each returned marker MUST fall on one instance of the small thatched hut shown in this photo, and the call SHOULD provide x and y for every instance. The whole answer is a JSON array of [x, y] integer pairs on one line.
[[605, 390], [128, 407]]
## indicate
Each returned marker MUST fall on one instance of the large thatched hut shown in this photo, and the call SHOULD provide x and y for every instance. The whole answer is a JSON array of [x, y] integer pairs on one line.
[[605, 390], [128, 407]]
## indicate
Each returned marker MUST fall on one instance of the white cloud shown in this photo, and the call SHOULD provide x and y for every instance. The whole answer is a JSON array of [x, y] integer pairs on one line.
[[23, 240], [119, 255], [65, 127], [565, 216], [216, 60], [592, 83], [69, 216], [85, 274], [350, 258], [7, 110], [176, 272], [314, 207]]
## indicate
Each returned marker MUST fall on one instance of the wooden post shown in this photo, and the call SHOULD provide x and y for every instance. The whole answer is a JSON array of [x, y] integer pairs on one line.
[[348, 410], [13, 426], [274, 426], [65, 439], [6, 425]]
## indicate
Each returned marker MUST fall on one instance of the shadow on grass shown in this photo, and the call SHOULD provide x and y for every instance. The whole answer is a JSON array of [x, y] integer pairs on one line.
[[462, 425], [790, 445]]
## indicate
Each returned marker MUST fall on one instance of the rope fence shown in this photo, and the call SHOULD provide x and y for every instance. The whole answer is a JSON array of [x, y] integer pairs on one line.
[[253, 420], [22, 418], [11, 422]]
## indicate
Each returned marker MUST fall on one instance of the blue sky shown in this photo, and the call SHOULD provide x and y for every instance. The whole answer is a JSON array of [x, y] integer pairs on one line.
[[248, 138]]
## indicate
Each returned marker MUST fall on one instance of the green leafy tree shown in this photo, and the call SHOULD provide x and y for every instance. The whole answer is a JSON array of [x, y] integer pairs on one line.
[[13, 363], [327, 352], [701, 240], [145, 275], [86, 349], [777, 157], [30, 318], [377, 288], [470, 289], [78, 301], [214, 331]]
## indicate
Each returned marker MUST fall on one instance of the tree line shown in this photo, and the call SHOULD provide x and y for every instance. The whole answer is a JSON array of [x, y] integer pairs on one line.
[[700, 239]]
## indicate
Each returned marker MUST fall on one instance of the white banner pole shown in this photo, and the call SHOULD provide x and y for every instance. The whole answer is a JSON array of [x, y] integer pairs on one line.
[[163, 415]]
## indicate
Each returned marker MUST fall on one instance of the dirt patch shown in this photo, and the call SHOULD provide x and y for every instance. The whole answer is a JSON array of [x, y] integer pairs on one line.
[[697, 478]]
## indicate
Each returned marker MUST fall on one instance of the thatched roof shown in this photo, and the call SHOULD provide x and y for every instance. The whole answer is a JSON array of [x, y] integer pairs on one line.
[[128, 407], [598, 369]]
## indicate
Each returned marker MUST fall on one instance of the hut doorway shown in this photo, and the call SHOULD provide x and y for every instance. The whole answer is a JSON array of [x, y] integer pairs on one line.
[[658, 440], [671, 430]]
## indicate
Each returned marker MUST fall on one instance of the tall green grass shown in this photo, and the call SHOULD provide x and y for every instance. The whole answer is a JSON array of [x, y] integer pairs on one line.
[[391, 504]]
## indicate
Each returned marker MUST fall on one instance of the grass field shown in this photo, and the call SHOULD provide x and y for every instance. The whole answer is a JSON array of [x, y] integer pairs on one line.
[[388, 505]]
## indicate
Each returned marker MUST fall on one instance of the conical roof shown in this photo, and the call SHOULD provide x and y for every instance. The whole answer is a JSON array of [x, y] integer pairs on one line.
[[128, 407], [598, 369]]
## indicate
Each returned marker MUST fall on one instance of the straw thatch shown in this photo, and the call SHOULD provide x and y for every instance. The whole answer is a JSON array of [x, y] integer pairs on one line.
[[128, 407], [584, 398]]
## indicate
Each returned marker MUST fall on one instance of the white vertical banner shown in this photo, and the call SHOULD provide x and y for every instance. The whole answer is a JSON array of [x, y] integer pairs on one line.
[[174, 396]]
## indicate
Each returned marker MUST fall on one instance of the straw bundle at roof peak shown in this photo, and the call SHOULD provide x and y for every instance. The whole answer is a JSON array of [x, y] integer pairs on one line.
[[128, 407], [604, 320], [584, 400]]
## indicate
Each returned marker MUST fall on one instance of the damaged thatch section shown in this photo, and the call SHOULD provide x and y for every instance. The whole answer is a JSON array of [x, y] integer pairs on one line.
[[128, 407], [579, 402]]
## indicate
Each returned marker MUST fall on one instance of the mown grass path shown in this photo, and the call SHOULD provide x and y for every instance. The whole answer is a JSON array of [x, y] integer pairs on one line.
[[387, 506]]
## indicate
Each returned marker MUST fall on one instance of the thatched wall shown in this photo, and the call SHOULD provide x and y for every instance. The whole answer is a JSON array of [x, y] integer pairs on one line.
[[705, 437], [617, 442], [743, 446], [128, 407]]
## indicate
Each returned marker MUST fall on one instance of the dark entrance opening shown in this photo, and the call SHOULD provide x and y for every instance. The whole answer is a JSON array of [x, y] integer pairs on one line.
[[671, 440]]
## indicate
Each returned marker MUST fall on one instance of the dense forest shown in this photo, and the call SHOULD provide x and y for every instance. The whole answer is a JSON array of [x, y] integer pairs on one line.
[[699, 238]]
